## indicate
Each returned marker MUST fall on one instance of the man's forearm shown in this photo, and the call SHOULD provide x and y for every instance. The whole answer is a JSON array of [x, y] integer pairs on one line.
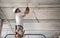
[[24, 15]]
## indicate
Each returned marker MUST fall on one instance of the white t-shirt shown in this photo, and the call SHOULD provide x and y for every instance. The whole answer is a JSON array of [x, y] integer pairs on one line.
[[19, 18]]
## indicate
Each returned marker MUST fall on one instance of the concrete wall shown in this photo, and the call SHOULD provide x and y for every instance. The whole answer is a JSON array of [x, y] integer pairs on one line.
[[50, 28], [47, 11], [1, 24], [0, 27]]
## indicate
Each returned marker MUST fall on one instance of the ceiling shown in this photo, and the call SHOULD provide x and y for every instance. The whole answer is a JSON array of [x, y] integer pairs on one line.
[[43, 9]]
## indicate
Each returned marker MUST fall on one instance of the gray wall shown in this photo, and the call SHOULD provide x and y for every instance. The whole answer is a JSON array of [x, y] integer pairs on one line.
[[1, 24], [47, 11], [50, 28]]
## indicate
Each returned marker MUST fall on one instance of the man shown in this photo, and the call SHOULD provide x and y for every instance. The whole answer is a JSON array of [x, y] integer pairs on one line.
[[19, 22]]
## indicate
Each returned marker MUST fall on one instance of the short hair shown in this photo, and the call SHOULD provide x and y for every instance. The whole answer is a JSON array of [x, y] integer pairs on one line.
[[17, 9]]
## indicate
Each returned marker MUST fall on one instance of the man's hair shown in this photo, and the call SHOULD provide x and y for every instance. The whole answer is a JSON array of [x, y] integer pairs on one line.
[[17, 9]]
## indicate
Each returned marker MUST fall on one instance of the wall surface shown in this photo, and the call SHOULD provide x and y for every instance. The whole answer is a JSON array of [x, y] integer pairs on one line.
[[46, 11], [1, 24]]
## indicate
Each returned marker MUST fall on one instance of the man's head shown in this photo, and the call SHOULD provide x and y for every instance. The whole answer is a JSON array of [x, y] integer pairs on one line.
[[17, 10]]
